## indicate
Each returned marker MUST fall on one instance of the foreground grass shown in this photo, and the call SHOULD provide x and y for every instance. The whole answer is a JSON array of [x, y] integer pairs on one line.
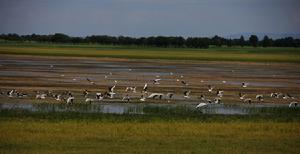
[[43, 136], [211, 54], [161, 131]]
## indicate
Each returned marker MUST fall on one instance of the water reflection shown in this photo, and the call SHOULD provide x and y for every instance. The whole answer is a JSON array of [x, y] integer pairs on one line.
[[128, 108]]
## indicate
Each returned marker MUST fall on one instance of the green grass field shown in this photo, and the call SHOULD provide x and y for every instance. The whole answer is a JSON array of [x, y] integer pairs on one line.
[[67, 132], [212, 54], [28, 136]]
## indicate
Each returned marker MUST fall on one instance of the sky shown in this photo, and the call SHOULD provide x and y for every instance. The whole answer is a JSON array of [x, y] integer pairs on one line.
[[149, 17]]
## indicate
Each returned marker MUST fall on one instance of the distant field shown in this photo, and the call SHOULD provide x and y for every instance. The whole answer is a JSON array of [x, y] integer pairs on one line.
[[212, 54]]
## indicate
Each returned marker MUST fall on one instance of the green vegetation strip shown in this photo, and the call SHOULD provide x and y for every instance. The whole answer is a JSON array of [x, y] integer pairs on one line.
[[212, 54]]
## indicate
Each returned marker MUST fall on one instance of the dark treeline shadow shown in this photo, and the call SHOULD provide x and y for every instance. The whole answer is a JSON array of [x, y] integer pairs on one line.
[[156, 41]]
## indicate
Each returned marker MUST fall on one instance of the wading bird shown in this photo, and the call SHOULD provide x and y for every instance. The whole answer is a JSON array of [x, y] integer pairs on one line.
[[111, 91], [210, 88], [201, 105], [260, 98], [143, 98], [293, 104], [184, 83], [242, 97], [99, 96], [244, 84], [70, 99], [156, 81], [90, 81], [248, 100], [154, 95], [220, 93], [145, 88], [89, 100], [126, 98], [187, 94]]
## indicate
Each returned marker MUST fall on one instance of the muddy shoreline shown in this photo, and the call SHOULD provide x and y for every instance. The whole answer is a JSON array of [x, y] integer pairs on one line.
[[39, 73]]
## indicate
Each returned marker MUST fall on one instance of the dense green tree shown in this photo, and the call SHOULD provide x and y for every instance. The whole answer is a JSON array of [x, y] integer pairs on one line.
[[242, 41], [266, 42], [60, 38], [217, 41], [253, 40], [229, 43]]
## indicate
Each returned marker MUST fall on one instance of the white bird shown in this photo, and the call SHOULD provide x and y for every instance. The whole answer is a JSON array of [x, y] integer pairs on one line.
[[220, 93], [187, 94], [11, 93], [90, 81], [112, 88], [86, 93], [145, 88], [244, 84], [20, 94], [170, 95], [275, 95], [202, 97], [217, 100], [133, 89], [99, 96], [209, 101], [247, 100], [210, 88], [224, 81], [127, 88], [154, 95], [201, 105], [260, 97], [143, 98], [287, 96], [126, 98], [70, 99], [111, 92], [89, 100], [293, 104], [185, 83], [156, 81], [241, 96], [40, 96], [58, 97]]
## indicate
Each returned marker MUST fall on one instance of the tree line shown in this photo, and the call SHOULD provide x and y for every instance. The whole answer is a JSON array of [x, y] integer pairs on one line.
[[157, 41]]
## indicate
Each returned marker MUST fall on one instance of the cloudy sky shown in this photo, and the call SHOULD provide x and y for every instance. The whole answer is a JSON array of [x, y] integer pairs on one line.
[[149, 17]]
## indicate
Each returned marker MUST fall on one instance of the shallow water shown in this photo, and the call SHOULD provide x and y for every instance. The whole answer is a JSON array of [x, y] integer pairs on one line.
[[131, 108]]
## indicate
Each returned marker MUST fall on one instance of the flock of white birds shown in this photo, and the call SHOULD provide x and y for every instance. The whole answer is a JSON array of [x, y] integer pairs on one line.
[[69, 98]]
